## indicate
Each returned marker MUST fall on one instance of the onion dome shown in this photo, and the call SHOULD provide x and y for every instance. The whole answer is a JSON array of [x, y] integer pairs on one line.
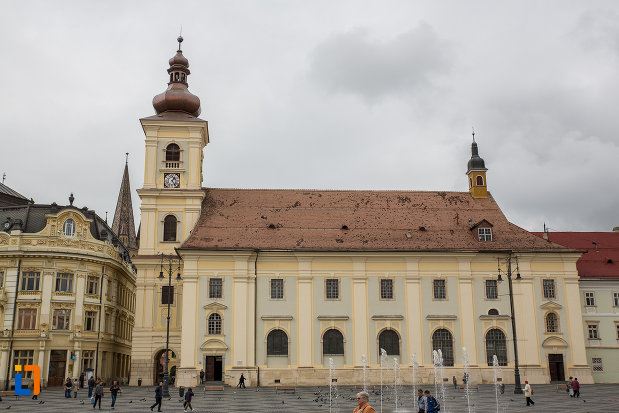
[[476, 162], [177, 97]]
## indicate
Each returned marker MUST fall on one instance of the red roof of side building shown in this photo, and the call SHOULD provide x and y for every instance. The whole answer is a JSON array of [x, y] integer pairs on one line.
[[345, 220], [601, 259]]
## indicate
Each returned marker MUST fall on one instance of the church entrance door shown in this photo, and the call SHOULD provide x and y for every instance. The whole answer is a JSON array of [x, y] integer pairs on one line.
[[555, 366], [214, 368]]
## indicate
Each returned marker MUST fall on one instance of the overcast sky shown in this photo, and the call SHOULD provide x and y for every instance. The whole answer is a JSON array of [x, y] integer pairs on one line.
[[325, 95]]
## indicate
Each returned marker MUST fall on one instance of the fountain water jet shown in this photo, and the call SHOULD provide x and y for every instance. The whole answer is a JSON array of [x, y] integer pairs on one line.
[[396, 368], [414, 368], [383, 359], [497, 370], [364, 361], [331, 366], [466, 375]]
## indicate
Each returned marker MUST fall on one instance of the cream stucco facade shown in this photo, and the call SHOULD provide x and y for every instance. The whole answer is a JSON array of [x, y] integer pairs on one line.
[[66, 299]]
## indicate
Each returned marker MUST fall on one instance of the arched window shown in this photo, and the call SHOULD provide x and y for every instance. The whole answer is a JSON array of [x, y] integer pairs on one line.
[[173, 153], [496, 345], [277, 343], [169, 228], [333, 343], [214, 324], [390, 342], [480, 180], [552, 325], [69, 228], [493, 311], [442, 340], [470, 182]]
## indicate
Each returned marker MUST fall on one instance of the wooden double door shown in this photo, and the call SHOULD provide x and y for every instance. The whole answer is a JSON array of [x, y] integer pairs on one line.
[[57, 367], [213, 368], [555, 367]]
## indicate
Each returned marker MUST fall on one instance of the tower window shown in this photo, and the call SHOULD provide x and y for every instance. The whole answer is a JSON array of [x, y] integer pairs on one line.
[[182, 77], [169, 228], [480, 180], [176, 76], [470, 180], [170, 77], [173, 153]]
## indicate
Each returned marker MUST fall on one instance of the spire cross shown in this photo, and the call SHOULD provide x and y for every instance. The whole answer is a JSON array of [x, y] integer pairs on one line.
[[180, 40], [473, 133], [3, 177], [126, 158]]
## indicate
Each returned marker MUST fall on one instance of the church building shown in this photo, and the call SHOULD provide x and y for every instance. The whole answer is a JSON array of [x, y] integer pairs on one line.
[[274, 284]]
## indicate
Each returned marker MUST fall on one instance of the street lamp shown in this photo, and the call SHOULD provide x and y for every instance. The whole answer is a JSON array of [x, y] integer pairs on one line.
[[518, 385], [166, 374]]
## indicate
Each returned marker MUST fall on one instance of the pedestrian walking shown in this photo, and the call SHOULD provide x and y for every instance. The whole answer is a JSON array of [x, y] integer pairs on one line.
[[188, 397], [114, 390], [455, 381], [432, 405], [158, 396], [422, 402], [363, 400], [75, 388], [528, 392], [576, 387], [201, 376], [568, 385], [68, 385], [98, 394], [34, 396], [82, 380], [241, 384], [91, 385]]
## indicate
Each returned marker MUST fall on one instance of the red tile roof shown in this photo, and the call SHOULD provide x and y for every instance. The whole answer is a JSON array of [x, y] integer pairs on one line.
[[597, 262], [354, 220]]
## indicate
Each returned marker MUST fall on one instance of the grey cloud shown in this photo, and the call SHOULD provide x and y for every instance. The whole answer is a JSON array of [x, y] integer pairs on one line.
[[354, 62]]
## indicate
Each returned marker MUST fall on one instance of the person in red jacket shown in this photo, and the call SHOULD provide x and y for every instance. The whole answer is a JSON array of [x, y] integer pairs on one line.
[[576, 387]]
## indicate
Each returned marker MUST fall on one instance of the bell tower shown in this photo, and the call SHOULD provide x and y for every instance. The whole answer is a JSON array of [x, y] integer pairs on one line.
[[175, 138], [476, 171]]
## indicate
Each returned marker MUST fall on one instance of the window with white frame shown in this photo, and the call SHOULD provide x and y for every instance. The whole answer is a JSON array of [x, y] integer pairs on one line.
[[484, 234], [439, 289], [492, 289], [386, 289], [277, 289], [616, 299], [332, 288], [68, 228], [593, 332], [596, 364], [214, 324], [589, 298], [549, 288]]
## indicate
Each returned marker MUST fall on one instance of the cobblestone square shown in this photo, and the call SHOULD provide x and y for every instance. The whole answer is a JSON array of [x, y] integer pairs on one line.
[[595, 398]]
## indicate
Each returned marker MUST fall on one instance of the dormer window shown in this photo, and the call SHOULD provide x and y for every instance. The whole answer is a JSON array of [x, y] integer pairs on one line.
[[485, 234], [68, 228]]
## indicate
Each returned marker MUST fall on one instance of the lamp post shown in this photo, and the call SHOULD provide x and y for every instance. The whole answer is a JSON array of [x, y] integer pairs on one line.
[[518, 385], [166, 374]]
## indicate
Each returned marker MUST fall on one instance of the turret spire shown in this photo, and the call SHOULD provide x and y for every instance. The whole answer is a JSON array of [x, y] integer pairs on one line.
[[476, 171], [123, 225]]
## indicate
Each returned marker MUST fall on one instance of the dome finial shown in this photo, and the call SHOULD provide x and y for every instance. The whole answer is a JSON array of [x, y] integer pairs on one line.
[[473, 133], [179, 39]]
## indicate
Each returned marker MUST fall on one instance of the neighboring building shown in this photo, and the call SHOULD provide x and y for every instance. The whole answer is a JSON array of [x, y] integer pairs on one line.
[[598, 269], [277, 282], [67, 295], [9, 197]]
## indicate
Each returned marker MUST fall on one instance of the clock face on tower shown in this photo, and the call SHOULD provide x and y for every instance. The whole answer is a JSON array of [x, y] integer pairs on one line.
[[171, 180]]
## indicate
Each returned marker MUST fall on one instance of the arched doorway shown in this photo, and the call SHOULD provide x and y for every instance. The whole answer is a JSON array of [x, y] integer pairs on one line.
[[160, 364]]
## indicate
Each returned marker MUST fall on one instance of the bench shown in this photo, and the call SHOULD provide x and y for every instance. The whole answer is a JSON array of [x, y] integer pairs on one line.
[[9, 393], [562, 387], [470, 387], [213, 388], [285, 388]]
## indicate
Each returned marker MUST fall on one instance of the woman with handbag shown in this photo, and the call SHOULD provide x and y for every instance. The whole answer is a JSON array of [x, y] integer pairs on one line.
[[528, 392]]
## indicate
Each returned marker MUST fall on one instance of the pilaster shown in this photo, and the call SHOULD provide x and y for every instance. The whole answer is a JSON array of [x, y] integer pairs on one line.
[[414, 311], [305, 313]]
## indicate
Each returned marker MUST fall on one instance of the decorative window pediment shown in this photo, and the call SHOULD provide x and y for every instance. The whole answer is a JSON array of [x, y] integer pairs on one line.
[[214, 345], [554, 342], [551, 305], [215, 307]]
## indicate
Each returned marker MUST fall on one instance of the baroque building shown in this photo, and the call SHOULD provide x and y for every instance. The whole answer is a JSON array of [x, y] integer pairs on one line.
[[598, 269], [66, 294], [277, 282]]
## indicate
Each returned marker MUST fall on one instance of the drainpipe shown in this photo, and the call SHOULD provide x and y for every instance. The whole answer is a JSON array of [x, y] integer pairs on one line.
[[256, 319], [10, 355], [99, 323]]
